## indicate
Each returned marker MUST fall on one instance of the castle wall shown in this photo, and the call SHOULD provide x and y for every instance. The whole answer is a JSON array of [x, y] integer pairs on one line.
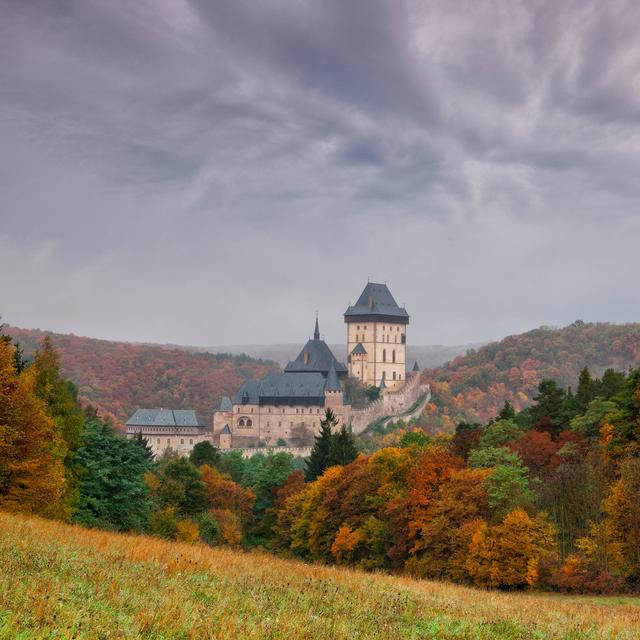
[[269, 423], [179, 439]]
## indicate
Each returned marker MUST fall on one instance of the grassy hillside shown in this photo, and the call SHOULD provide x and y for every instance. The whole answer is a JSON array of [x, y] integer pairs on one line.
[[60, 581], [119, 377], [474, 387]]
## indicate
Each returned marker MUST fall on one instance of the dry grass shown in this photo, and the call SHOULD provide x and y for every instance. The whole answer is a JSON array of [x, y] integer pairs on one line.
[[61, 581]]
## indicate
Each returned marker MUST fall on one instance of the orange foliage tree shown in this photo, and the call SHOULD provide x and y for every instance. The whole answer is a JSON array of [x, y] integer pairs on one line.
[[32, 476]]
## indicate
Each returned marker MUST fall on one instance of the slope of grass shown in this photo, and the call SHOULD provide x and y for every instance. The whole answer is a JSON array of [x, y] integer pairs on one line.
[[59, 581]]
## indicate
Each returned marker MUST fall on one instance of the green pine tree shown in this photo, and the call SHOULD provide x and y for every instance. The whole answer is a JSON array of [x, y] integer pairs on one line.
[[344, 449], [507, 412], [112, 490], [322, 452], [584, 393]]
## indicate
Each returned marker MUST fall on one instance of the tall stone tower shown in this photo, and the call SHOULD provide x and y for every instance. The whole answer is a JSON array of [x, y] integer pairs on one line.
[[377, 338]]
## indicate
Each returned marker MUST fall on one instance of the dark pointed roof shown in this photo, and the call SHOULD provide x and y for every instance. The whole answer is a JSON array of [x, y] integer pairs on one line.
[[359, 350], [225, 404], [382, 383], [315, 356], [333, 384], [376, 304], [416, 368], [226, 429]]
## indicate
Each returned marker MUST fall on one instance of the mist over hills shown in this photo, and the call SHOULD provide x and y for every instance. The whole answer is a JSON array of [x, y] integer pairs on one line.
[[427, 356]]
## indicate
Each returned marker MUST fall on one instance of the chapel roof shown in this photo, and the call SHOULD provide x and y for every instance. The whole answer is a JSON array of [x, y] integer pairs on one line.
[[315, 356]]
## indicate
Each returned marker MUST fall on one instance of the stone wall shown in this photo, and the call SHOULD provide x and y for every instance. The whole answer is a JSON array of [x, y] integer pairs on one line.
[[390, 404], [298, 452]]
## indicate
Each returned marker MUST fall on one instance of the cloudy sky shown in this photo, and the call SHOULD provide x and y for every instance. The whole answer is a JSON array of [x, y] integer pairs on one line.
[[213, 171]]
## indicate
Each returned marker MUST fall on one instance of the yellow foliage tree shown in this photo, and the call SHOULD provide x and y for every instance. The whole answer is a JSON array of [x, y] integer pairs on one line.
[[623, 517], [507, 554], [188, 531], [32, 477]]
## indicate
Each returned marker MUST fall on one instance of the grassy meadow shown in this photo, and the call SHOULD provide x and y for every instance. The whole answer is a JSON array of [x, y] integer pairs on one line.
[[63, 581]]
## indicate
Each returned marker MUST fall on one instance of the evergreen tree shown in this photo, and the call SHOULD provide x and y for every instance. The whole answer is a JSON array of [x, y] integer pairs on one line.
[[344, 449], [205, 453], [507, 412], [611, 385], [548, 405], [143, 443], [322, 452], [584, 393], [112, 490]]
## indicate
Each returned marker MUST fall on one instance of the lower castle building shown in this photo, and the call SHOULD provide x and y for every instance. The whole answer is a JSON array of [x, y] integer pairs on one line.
[[176, 429], [285, 407]]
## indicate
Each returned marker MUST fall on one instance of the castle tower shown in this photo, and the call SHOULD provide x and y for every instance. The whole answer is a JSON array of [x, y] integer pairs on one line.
[[377, 338]]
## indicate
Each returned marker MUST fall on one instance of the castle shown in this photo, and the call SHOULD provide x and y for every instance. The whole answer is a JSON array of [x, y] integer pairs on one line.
[[377, 338], [285, 409]]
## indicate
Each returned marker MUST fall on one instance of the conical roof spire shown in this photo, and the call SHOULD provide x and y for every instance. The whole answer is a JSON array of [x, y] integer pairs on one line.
[[416, 367], [333, 384], [316, 333], [383, 384]]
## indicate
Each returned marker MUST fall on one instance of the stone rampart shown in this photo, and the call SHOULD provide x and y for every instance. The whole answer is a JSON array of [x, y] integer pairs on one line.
[[389, 405]]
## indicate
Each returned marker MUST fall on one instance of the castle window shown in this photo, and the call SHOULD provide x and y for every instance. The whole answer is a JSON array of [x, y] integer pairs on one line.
[[393, 357], [190, 440], [403, 338], [181, 440], [384, 355], [251, 409], [394, 375], [158, 440], [282, 409], [306, 358], [358, 327], [269, 409], [249, 422]]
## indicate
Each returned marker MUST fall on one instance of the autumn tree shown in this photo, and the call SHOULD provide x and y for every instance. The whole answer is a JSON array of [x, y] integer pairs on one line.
[[32, 477], [60, 398], [508, 554], [623, 516]]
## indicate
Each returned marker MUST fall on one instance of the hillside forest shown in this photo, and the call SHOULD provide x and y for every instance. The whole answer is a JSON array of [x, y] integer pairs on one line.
[[547, 497], [474, 387], [116, 378]]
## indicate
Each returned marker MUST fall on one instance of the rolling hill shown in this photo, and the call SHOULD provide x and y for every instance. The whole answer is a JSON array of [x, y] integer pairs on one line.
[[58, 580], [119, 377], [474, 387]]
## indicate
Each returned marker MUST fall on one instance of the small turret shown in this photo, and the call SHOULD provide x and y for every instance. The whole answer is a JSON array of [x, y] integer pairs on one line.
[[416, 368], [316, 333]]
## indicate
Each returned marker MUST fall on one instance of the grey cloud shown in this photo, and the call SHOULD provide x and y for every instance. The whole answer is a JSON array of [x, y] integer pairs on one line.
[[210, 172]]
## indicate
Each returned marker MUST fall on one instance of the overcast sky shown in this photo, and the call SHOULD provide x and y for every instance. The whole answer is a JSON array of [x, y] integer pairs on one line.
[[213, 171]]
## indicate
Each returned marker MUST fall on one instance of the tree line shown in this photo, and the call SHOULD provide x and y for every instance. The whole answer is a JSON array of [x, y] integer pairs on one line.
[[546, 497]]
